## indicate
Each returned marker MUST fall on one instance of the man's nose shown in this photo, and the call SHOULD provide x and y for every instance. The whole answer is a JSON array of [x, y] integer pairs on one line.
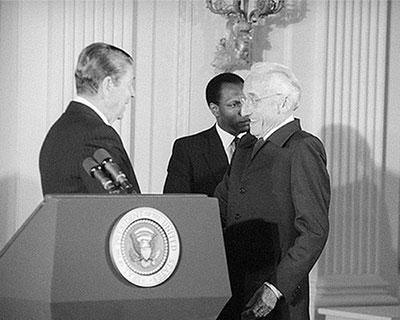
[[245, 109]]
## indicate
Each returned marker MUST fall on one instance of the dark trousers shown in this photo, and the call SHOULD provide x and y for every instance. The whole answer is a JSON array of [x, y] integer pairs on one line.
[[253, 252]]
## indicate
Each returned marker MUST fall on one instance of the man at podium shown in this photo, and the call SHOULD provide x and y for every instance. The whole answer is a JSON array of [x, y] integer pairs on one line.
[[104, 83]]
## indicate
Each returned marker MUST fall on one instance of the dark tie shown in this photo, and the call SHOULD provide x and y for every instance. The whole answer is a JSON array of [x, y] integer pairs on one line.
[[260, 142], [235, 143], [232, 147]]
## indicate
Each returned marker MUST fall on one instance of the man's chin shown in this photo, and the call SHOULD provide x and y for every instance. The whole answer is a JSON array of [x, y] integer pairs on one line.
[[245, 128], [255, 133]]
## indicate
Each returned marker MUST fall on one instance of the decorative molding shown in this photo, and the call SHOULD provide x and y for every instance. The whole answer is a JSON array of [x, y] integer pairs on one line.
[[144, 100], [351, 267], [383, 312], [184, 67], [163, 85], [350, 290]]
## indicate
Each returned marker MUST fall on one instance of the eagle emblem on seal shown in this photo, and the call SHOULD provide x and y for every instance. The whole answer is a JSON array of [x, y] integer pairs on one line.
[[143, 245]]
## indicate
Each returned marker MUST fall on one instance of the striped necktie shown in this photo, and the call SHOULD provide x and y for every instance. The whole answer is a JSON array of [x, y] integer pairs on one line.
[[232, 148]]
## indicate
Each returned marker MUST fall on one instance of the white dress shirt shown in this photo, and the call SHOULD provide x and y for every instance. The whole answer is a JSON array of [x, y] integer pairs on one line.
[[227, 140]]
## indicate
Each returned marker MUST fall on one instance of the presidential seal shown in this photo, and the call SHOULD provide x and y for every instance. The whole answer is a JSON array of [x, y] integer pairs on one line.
[[144, 247]]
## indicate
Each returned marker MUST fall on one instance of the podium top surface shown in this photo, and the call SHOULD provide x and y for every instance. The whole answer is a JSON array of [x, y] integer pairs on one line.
[[107, 196]]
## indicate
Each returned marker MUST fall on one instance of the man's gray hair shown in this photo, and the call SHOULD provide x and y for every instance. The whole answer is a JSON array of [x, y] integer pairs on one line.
[[98, 61], [261, 71]]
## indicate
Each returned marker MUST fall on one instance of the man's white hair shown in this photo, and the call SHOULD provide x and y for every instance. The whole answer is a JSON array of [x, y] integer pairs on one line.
[[261, 73]]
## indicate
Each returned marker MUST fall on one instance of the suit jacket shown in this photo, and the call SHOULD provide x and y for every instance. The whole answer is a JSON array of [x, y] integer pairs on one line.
[[197, 164], [74, 137], [285, 183]]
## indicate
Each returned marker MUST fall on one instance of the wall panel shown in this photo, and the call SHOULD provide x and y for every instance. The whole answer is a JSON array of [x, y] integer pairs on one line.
[[351, 269], [175, 45]]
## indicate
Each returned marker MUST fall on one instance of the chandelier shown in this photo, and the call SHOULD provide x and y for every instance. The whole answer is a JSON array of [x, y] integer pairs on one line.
[[234, 50]]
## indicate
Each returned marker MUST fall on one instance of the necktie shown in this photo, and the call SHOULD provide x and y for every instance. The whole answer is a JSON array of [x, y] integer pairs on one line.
[[232, 147], [257, 146]]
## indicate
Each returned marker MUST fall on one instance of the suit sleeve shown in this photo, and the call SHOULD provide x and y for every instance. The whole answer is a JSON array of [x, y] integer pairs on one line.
[[179, 176], [310, 188], [91, 185], [106, 138], [120, 157]]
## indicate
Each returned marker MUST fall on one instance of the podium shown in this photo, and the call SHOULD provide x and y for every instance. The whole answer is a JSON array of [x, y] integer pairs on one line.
[[58, 265]]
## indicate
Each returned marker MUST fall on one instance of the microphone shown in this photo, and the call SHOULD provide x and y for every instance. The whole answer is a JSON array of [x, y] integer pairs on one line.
[[94, 170], [104, 158]]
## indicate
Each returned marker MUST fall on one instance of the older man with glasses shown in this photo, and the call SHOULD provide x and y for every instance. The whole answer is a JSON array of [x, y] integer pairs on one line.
[[274, 202]]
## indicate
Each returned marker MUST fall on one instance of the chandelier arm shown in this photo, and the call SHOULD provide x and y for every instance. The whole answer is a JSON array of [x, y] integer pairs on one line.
[[234, 50], [267, 7], [221, 12], [236, 5], [254, 13], [279, 6], [226, 12], [233, 9], [245, 9], [210, 6]]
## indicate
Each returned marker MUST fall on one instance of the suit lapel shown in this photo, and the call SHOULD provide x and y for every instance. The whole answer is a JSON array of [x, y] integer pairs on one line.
[[243, 152], [279, 137], [214, 153], [283, 134], [258, 145]]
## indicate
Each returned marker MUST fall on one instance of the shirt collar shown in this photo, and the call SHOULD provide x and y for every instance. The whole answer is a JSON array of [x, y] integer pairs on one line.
[[280, 137], [93, 107], [226, 137], [269, 133]]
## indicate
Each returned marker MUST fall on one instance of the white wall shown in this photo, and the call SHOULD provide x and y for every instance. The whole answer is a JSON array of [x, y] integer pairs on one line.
[[336, 48], [23, 109], [392, 137], [40, 42], [175, 45]]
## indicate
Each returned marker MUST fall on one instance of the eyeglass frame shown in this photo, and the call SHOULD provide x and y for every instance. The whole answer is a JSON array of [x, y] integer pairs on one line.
[[254, 100]]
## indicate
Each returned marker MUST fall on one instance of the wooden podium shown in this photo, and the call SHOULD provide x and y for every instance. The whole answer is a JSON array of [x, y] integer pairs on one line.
[[58, 265]]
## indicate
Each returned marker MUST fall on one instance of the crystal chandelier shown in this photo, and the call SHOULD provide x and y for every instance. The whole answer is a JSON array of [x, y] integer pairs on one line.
[[234, 50]]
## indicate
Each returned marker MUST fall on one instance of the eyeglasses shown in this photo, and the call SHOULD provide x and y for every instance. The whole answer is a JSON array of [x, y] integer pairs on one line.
[[253, 99]]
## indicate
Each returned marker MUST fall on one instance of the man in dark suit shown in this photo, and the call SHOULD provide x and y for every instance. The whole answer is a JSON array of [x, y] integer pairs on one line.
[[281, 180], [199, 161], [104, 82]]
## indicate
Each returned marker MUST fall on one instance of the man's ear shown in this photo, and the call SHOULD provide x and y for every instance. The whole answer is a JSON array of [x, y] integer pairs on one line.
[[107, 84], [286, 105], [214, 108]]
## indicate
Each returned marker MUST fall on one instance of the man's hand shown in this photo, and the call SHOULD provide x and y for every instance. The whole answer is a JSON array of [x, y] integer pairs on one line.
[[262, 302]]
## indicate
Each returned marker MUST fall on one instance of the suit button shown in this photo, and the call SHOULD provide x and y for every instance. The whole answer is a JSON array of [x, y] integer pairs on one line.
[[237, 216], [242, 190], [296, 291]]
